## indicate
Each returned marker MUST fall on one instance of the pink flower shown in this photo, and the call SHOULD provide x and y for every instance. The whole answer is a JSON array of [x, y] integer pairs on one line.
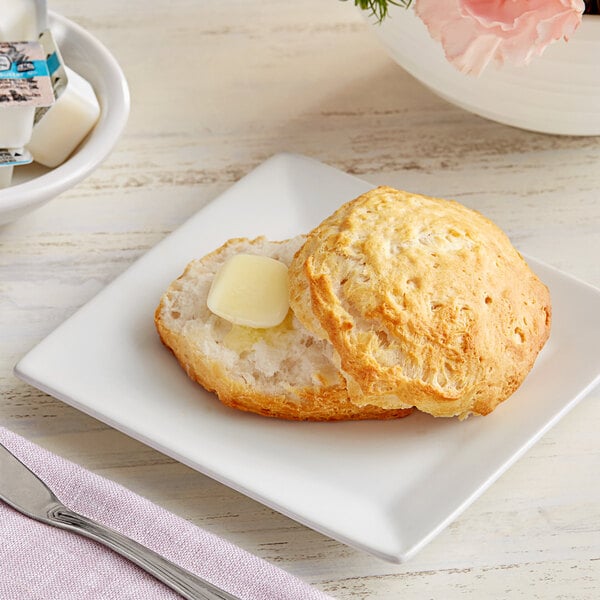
[[474, 32]]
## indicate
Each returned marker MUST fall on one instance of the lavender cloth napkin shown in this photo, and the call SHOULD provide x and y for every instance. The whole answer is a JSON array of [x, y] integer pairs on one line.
[[40, 562]]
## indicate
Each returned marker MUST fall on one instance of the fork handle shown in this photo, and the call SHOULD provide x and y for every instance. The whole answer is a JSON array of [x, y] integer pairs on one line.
[[181, 581]]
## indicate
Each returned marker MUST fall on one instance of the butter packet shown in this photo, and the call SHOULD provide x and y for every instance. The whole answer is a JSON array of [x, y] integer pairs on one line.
[[56, 71], [24, 76], [12, 157]]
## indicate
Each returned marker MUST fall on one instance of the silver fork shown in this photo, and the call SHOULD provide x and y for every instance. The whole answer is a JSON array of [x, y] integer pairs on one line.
[[27, 493]]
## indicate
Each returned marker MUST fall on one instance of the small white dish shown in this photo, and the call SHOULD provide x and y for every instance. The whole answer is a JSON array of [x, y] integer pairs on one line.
[[387, 487], [556, 93], [34, 185]]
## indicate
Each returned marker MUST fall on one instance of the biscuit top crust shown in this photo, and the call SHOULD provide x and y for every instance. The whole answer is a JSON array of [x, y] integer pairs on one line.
[[425, 302]]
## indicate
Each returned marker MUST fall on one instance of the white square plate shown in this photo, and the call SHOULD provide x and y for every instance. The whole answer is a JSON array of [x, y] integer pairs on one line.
[[386, 487]]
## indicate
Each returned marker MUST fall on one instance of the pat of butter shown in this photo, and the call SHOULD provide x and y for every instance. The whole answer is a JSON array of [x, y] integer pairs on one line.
[[250, 290], [66, 123]]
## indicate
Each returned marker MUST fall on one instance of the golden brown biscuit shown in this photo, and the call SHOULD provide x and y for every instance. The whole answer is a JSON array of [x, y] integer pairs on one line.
[[425, 302], [281, 371]]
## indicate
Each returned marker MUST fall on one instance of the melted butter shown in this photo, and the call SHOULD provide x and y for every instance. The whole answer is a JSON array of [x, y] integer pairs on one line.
[[241, 338]]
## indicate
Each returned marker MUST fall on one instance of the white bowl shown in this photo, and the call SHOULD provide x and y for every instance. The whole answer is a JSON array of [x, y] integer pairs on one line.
[[557, 93], [34, 185]]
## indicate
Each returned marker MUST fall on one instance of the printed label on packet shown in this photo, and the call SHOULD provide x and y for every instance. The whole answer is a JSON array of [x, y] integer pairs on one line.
[[14, 156], [56, 70], [24, 76]]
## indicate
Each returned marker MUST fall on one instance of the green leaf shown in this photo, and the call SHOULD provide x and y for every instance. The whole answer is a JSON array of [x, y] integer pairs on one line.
[[379, 8]]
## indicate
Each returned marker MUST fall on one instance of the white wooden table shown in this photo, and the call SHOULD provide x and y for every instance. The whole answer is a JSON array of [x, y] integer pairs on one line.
[[217, 87]]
